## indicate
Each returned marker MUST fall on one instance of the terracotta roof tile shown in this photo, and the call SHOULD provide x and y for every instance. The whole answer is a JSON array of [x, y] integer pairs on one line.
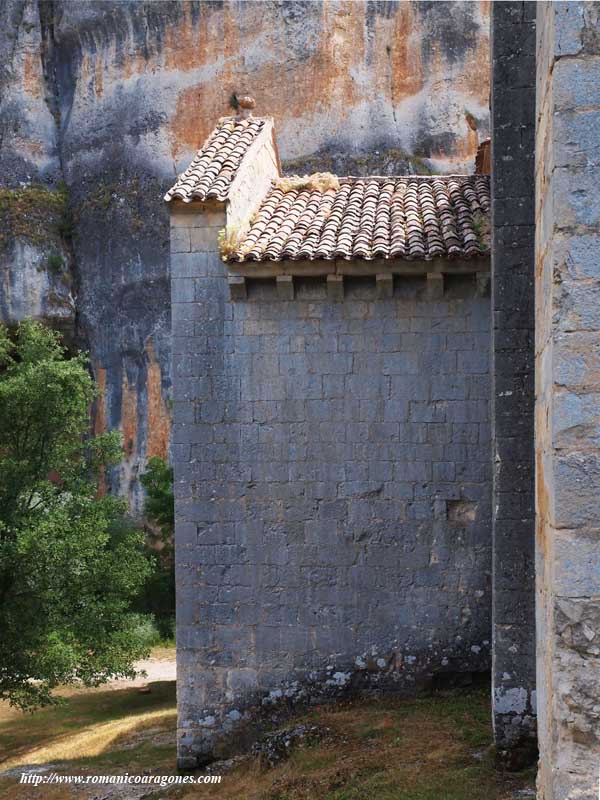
[[411, 218], [212, 171]]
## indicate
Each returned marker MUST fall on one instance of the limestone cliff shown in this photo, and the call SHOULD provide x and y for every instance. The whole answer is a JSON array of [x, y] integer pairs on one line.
[[102, 103]]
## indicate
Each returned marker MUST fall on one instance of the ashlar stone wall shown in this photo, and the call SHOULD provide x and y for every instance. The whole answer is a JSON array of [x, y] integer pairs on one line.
[[513, 399], [332, 474], [568, 398]]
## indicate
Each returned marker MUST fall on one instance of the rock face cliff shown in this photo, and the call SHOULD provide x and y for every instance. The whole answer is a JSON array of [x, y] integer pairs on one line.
[[102, 103]]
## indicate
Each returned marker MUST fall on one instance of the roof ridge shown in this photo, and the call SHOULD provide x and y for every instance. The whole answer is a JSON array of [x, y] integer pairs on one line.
[[388, 178], [216, 163], [420, 176]]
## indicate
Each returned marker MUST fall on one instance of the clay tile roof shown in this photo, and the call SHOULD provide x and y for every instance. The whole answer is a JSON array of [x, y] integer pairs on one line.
[[411, 218], [212, 171]]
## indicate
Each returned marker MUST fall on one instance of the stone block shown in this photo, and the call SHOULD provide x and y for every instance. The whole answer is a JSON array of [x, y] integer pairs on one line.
[[384, 284], [285, 287], [577, 138], [568, 26], [483, 284], [575, 83], [575, 420], [335, 288], [577, 558], [579, 305], [237, 287], [473, 362], [188, 265], [182, 290], [577, 256], [435, 285], [204, 240], [576, 200], [181, 240], [576, 359], [575, 480]]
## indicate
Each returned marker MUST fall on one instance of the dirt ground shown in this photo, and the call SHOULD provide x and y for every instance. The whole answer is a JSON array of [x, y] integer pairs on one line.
[[161, 667]]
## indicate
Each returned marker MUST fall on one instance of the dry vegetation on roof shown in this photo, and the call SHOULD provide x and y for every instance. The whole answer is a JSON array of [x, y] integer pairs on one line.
[[481, 226], [317, 182], [229, 240]]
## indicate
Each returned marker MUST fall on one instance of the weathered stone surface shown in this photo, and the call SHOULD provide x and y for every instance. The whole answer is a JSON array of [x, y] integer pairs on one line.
[[567, 370], [513, 232], [115, 97], [36, 275]]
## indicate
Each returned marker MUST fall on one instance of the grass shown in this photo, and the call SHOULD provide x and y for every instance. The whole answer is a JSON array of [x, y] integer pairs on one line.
[[83, 726], [164, 650], [434, 748]]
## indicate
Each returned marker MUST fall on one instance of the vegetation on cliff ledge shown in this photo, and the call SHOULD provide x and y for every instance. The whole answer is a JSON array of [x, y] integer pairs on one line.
[[36, 213]]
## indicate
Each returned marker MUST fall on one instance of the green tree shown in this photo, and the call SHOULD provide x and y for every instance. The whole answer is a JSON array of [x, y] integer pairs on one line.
[[157, 480], [69, 568], [159, 592]]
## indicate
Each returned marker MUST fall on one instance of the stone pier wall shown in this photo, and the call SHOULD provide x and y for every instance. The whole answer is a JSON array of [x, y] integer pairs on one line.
[[513, 236], [333, 484], [568, 398]]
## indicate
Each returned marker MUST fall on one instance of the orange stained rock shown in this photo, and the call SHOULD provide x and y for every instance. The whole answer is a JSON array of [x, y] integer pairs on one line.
[[158, 418], [34, 148], [32, 73], [192, 121], [351, 57], [99, 75], [99, 412], [466, 147], [324, 82], [542, 516], [129, 416], [473, 80], [192, 42], [398, 68]]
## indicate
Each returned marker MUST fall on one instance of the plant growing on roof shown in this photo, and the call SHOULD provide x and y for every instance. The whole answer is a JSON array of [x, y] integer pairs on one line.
[[69, 568], [481, 226], [228, 239], [317, 182]]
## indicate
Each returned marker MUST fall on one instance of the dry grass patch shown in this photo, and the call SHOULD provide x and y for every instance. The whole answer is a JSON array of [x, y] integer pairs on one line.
[[96, 731], [435, 748]]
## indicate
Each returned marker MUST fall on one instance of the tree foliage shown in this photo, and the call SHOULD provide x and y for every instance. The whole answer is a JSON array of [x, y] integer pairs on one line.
[[159, 592], [69, 568], [157, 480]]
